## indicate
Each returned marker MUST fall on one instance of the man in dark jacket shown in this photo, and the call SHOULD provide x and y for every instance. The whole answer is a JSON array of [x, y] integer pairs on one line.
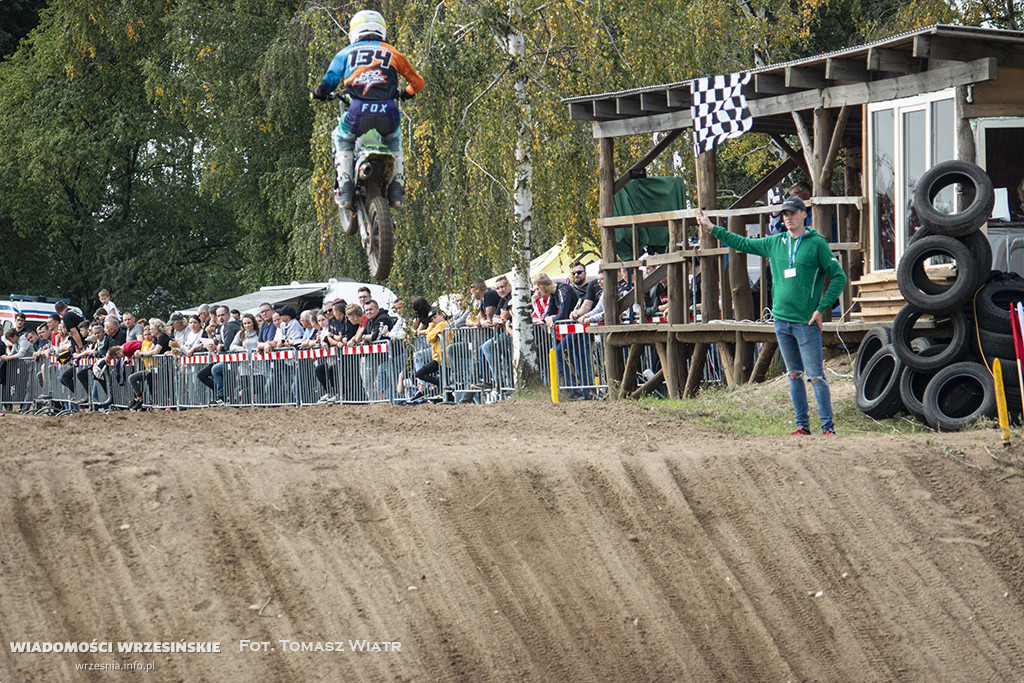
[[212, 375], [562, 302], [378, 322], [572, 350]]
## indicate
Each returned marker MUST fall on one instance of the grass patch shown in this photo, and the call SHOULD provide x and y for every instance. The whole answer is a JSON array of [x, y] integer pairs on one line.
[[766, 408]]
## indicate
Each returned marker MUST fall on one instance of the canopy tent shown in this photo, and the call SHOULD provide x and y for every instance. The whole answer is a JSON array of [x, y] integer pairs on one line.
[[557, 260], [303, 295]]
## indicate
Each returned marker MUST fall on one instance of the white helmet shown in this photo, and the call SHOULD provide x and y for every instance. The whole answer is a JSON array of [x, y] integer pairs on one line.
[[366, 23]]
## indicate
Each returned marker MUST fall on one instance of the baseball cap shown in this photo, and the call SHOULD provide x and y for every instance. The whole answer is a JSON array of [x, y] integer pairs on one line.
[[287, 310], [793, 204], [176, 317]]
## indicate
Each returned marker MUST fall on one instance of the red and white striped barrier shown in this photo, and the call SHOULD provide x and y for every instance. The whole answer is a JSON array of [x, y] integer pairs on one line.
[[571, 328], [364, 349], [213, 358], [580, 328], [274, 355], [318, 353]]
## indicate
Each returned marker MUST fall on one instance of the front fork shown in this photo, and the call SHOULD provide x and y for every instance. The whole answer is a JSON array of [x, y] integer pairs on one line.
[[363, 218]]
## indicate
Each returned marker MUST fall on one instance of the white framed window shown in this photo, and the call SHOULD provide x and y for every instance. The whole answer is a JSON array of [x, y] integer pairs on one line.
[[905, 138]]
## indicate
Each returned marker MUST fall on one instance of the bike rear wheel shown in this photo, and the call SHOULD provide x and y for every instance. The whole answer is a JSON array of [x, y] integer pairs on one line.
[[381, 251]]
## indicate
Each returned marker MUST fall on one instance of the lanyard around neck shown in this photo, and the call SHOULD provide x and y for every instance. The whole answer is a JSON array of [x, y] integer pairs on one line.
[[793, 249]]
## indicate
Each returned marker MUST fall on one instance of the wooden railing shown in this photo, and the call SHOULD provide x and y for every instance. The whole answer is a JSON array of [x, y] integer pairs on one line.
[[680, 262]]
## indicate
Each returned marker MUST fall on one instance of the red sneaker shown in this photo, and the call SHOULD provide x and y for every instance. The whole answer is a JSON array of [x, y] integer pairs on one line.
[[801, 431], [829, 432]]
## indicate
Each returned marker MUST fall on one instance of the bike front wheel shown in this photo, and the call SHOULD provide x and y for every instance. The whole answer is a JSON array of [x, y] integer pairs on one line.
[[381, 249]]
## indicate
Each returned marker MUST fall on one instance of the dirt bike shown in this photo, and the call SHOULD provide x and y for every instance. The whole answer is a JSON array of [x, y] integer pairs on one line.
[[370, 215]]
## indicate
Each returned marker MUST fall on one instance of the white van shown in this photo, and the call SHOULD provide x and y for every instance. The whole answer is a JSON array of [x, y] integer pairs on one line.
[[35, 312], [349, 291]]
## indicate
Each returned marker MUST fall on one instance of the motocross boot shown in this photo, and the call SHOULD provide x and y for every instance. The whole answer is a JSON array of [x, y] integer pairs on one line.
[[344, 159], [396, 190]]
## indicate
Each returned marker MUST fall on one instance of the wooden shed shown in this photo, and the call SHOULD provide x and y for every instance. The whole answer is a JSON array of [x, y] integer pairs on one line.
[[892, 108]]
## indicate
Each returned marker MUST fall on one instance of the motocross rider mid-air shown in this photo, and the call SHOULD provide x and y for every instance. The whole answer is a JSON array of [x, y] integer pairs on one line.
[[369, 69]]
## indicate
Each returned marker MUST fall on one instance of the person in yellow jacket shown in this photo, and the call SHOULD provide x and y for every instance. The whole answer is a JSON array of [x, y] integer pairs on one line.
[[435, 336]]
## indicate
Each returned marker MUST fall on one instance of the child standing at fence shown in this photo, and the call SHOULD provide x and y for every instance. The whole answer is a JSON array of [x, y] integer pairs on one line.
[[109, 306]]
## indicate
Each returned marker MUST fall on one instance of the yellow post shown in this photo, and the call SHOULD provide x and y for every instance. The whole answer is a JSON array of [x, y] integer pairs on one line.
[[1004, 417], [553, 372]]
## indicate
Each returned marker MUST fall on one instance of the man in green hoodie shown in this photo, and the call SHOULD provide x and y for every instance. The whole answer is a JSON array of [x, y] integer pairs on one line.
[[800, 259]]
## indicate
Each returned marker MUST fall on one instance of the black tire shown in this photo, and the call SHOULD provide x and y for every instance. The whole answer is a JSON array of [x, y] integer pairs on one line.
[[914, 382], [959, 395], [381, 252], [996, 344], [976, 192], [877, 337], [992, 304], [924, 297], [957, 344], [979, 245], [878, 392], [349, 221], [347, 217]]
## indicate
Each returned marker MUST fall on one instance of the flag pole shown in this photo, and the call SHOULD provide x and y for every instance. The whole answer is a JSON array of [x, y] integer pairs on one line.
[[1016, 316]]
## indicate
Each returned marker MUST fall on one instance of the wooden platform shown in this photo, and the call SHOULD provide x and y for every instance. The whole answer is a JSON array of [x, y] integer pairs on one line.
[[728, 331]]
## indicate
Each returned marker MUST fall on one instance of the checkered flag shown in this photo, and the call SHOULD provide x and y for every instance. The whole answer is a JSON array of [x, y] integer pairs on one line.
[[719, 110]]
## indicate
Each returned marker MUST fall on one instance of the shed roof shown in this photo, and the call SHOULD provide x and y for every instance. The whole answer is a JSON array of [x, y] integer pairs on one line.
[[911, 63]]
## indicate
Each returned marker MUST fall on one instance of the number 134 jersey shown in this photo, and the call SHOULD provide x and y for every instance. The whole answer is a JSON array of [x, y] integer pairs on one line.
[[369, 70]]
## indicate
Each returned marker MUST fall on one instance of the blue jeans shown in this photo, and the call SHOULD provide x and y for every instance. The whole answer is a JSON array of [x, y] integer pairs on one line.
[[800, 345], [572, 361], [218, 378]]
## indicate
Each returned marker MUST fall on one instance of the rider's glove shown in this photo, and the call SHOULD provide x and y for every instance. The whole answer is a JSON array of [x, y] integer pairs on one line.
[[404, 94], [317, 94]]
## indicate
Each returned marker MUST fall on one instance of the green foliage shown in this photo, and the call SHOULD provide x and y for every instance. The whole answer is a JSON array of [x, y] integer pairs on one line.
[[17, 18], [172, 143]]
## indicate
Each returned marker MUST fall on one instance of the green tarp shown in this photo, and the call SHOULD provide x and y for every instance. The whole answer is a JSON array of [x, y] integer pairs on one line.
[[647, 195]]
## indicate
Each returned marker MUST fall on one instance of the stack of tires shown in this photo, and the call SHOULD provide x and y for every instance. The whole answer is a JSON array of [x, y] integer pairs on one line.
[[941, 380]]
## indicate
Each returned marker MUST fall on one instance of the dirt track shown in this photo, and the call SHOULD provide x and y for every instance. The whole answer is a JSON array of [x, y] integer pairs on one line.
[[523, 541]]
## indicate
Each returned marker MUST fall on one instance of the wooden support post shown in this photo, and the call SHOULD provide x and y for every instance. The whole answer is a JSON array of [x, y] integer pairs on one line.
[[632, 365], [671, 354], [853, 177], [743, 360], [822, 138], [821, 215], [649, 385], [764, 360], [965, 149], [742, 304], [696, 373], [707, 199], [606, 180], [725, 354]]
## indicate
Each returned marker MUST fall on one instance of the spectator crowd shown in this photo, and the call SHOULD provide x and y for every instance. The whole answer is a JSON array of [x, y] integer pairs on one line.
[[73, 341]]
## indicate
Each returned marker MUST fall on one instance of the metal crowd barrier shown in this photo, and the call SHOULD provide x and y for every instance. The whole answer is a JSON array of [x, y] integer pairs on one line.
[[188, 390], [477, 368], [116, 385], [20, 386], [579, 360], [478, 365], [367, 375]]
